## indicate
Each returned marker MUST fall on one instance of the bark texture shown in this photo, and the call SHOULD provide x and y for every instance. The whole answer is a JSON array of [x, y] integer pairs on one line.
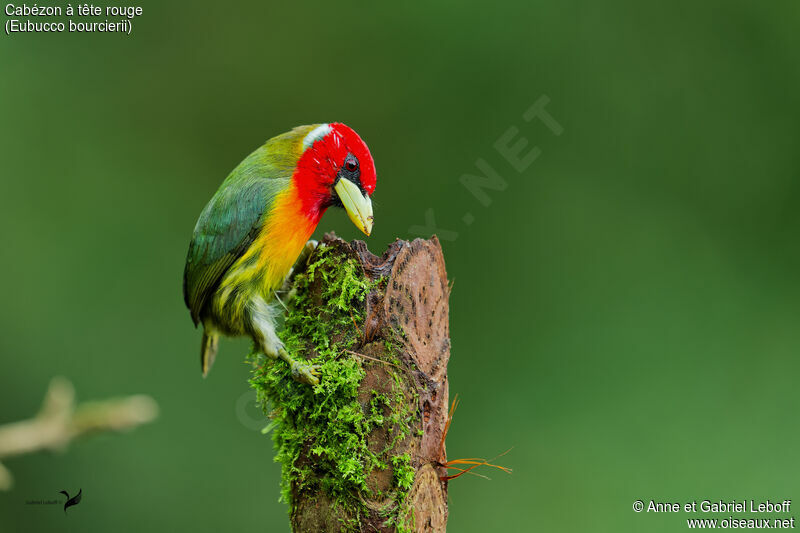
[[405, 334]]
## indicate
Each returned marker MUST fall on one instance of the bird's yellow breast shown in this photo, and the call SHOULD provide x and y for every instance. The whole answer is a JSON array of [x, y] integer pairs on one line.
[[266, 263], [283, 237]]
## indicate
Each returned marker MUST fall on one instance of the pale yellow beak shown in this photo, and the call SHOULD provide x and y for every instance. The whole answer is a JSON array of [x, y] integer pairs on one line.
[[357, 205]]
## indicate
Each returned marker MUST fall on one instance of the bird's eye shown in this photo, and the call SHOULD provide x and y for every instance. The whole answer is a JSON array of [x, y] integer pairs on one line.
[[351, 165]]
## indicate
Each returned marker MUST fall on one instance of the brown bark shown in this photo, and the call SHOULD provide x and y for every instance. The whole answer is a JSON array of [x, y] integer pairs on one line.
[[409, 309]]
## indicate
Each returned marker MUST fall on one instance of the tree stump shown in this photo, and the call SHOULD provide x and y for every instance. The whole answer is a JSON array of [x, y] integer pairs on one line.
[[363, 451]]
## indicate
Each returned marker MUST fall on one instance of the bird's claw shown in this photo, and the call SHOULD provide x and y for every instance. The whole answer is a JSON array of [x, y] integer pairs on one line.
[[305, 373], [311, 245]]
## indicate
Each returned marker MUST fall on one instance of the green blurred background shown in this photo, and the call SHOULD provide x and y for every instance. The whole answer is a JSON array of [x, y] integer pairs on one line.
[[625, 314]]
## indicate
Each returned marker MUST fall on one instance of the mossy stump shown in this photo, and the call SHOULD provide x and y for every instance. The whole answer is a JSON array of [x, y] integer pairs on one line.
[[363, 450]]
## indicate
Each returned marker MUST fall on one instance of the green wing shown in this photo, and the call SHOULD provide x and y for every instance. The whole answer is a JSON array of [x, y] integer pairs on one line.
[[225, 230]]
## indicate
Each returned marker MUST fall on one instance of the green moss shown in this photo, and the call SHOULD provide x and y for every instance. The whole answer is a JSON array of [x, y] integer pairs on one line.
[[403, 471], [320, 433], [399, 513]]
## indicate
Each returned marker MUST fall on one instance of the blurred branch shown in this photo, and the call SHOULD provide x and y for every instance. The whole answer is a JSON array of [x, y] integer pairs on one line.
[[59, 421]]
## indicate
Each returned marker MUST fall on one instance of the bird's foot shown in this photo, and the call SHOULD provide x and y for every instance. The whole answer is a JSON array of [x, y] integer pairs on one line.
[[305, 373], [299, 266], [302, 372], [310, 246], [305, 255]]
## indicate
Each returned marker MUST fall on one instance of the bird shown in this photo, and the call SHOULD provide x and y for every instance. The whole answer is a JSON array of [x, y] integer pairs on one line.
[[75, 500], [251, 233]]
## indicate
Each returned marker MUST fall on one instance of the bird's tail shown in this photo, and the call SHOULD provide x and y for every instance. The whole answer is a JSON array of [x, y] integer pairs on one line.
[[208, 350]]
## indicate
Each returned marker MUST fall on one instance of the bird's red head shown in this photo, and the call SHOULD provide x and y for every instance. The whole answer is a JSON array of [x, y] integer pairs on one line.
[[336, 169]]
